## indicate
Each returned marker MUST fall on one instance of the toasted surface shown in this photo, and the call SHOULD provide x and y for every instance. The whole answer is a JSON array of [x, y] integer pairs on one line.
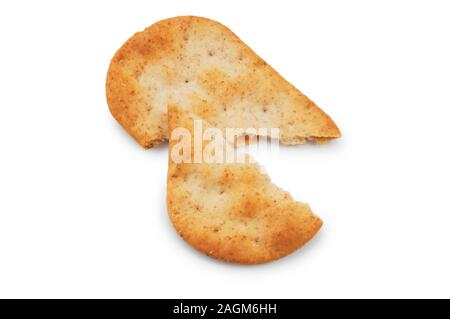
[[201, 61], [233, 212]]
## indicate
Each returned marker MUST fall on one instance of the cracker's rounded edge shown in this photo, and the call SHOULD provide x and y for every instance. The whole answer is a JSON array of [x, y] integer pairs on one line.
[[244, 258], [121, 87], [120, 102], [214, 249]]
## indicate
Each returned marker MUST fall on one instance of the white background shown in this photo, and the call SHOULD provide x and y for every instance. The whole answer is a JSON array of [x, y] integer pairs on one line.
[[82, 206]]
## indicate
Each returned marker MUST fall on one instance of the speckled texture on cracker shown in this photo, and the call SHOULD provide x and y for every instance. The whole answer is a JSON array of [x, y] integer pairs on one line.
[[233, 212], [201, 61]]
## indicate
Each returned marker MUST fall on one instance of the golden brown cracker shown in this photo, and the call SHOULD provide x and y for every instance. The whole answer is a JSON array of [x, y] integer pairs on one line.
[[190, 59], [232, 211]]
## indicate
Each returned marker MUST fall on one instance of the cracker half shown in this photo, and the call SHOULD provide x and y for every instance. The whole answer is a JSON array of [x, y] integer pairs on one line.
[[232, 212], [200, 61]]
